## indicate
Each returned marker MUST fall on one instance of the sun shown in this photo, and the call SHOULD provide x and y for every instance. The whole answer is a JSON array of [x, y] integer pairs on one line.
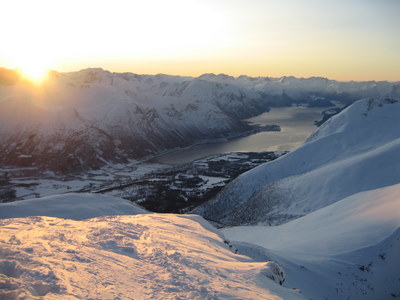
[[34, 72], [33, 68]]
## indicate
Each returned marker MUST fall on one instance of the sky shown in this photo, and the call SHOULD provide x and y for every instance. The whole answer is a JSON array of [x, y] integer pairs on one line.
[[341, 39]]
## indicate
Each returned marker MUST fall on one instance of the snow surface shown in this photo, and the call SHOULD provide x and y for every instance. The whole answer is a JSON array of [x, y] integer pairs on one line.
[[369, 273], [149, 256], [348, 250], [76, 206], [358, 221], [357, 150]]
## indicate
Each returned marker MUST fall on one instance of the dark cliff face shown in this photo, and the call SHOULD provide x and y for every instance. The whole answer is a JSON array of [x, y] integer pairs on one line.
[[81, 143], [81, 150]]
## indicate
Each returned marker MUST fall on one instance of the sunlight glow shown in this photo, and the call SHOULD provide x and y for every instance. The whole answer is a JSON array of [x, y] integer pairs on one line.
[[191, 37], [34, 73], [33, 65]]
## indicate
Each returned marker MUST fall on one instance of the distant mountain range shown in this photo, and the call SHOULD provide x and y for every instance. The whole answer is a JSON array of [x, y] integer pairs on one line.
[[83, 120]]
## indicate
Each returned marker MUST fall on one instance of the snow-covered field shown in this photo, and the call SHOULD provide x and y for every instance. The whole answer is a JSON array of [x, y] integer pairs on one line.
[[146, 256], [348, 250]]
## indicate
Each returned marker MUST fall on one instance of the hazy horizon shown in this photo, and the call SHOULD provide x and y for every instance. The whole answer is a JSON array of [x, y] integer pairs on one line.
[[341, 40], [206, 73]]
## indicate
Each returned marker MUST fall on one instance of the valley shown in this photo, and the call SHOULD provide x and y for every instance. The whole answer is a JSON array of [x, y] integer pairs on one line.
[[156, 187], [180, 179], [295, 125], [183, 187]]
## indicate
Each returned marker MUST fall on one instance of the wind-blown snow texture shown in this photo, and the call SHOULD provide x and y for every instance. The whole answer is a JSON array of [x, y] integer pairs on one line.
[[356, 150], [148, 256], [83, 120]]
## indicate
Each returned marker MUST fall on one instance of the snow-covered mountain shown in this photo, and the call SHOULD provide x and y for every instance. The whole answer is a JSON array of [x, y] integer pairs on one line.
[[84, 119], [356, 150], [81, 120], [136, 256]]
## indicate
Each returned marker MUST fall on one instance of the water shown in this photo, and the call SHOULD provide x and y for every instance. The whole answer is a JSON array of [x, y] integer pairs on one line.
[[297, 123]]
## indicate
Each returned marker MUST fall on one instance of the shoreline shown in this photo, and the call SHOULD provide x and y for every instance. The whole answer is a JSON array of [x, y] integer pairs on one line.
[[256, 129]]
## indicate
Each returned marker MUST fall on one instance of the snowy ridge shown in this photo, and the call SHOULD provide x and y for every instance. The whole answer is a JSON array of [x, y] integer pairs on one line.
[[75, 206], [354, 151], [129, 257], [83, 120]]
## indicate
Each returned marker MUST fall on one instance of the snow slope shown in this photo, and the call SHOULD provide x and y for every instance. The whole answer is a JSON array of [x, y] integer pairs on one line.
[[83, 120], [356, 150], [76, 206], [355, 222], [347, 250], [148, 256]]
